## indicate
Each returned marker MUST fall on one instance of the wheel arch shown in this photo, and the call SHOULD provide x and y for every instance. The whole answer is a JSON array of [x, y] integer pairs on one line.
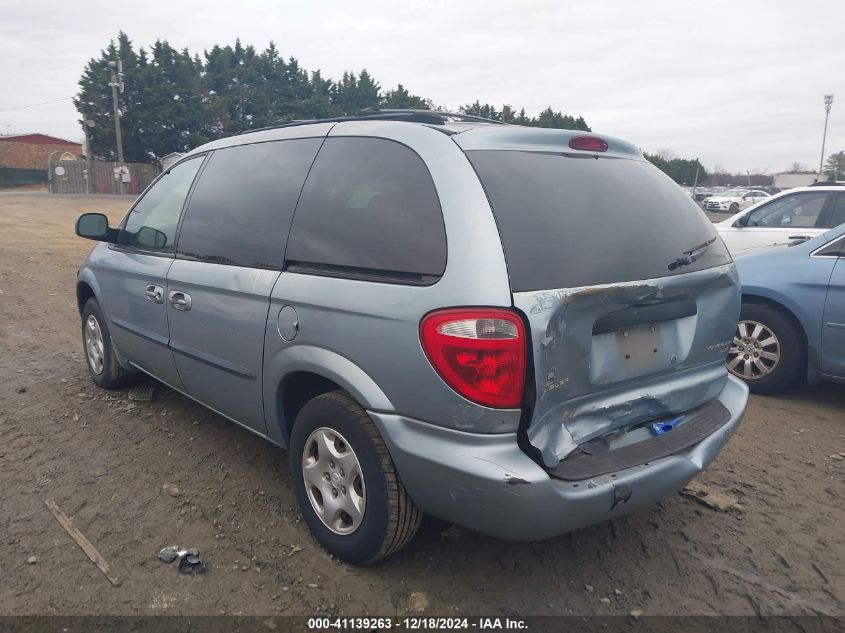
[[808, 350], [298, 374], [296, 390], [84, 292]]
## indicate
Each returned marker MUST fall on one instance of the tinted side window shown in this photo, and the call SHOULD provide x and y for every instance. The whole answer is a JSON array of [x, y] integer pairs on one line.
[[369, 204], [151, 225], [241, 208], [800, 210], [837, 215]]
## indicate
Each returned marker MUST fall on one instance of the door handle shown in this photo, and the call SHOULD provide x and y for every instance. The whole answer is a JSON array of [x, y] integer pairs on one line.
[[179, 300], [154, 294]]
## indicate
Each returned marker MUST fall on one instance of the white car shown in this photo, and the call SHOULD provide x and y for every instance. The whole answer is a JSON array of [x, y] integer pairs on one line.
[[799, 213], [733, 200]]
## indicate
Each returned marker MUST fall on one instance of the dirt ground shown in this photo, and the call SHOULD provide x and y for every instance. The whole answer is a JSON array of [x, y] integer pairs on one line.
[[105, 459]]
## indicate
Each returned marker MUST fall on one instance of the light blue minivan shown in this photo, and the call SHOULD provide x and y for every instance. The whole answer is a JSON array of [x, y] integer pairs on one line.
[[522, 331]]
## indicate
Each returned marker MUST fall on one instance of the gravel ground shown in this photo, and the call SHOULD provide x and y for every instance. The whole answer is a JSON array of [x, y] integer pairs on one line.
[[137, 476]]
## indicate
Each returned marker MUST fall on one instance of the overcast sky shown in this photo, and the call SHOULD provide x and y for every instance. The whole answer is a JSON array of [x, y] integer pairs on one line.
[[738, 84]]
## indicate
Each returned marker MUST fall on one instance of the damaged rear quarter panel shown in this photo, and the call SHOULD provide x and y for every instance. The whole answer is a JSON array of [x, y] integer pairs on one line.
[[606, 357]]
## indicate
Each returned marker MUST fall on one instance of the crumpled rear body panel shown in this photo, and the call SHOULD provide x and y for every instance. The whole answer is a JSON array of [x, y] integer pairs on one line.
[[611, 356]]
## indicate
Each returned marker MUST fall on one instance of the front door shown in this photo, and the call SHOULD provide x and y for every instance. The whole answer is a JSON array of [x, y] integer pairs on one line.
[[833, 325], [778, 221], [133, 277]]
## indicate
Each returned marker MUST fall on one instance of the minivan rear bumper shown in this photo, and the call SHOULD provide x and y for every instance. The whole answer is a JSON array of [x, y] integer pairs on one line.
[[487, 484]]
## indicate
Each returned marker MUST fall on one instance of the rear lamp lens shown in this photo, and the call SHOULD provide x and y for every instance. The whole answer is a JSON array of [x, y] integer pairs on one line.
[[479, 353]]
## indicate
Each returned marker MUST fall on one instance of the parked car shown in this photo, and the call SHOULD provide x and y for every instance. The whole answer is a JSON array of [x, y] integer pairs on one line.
[[434, 316], [788, 216], [769, 189], [792, 325], [698, 193], [733, 200]]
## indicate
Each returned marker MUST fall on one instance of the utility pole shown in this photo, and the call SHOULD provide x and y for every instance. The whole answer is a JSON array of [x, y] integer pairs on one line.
[[828, 102], [89, 160], [116, 83]]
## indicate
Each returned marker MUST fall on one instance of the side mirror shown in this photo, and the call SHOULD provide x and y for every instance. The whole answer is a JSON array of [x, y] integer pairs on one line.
[[743, 221], [95, 226], [148, 237]]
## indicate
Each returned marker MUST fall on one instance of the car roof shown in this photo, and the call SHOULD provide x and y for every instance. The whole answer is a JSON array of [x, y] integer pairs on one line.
[[812, 188], [469, 132]]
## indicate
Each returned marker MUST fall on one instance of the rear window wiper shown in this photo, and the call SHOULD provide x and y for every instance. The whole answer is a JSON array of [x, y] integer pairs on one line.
[[688, 257]]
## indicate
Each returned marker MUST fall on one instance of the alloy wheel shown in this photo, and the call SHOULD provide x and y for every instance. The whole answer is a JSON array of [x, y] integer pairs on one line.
[[94, 346], [755, 351]]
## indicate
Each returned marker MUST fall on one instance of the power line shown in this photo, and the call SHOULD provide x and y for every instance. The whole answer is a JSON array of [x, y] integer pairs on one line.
[[32, 105]]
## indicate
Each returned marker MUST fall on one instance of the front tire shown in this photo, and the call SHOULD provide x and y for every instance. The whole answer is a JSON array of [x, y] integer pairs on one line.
[[346, 484], [734, 207], [103, 367], [768, 350]]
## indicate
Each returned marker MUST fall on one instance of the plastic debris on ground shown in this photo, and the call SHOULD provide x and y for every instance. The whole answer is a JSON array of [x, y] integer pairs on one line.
[[189, 559]]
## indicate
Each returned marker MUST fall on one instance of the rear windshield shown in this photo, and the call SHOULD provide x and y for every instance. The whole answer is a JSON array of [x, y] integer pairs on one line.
[[571, 221]]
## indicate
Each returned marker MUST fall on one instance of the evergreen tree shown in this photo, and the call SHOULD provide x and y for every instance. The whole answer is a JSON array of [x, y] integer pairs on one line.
[[399, 97], [550, 118], [834, 167], [547, 118], [682, 171], [174, 101]]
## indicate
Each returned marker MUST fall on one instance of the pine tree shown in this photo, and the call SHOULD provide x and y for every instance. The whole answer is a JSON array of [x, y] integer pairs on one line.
[[175, 101], [399, 97]]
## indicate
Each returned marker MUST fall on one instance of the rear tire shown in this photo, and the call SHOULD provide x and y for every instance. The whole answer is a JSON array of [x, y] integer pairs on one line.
[[103, 367], [778, 344], [389, 519]]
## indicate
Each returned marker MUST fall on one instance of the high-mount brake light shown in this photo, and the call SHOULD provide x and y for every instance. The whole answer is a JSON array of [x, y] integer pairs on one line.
[[478, 352], [588, 143]]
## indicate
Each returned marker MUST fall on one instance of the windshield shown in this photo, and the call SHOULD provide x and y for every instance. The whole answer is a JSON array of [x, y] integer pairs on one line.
[[567, 222], [733, 193]]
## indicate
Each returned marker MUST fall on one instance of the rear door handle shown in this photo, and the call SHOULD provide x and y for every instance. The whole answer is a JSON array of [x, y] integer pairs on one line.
[[154, 294], [179, 300]]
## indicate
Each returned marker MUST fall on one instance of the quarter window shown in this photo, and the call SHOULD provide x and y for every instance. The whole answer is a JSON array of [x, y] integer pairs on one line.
[[151, 225], [241, 209], [800, 210], [369, 206]]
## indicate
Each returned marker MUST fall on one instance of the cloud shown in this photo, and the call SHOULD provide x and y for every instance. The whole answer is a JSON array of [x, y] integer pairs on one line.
[[740, 85]]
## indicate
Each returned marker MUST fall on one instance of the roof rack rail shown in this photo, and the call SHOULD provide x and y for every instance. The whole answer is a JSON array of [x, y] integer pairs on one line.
[[429, 114], [430, 117]]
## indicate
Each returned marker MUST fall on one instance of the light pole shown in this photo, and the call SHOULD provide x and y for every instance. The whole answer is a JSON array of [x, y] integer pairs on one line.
[[828, 102], [116, 82]]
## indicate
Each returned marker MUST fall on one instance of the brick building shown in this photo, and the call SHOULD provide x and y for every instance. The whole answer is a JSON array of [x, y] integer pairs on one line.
[[32, 151]]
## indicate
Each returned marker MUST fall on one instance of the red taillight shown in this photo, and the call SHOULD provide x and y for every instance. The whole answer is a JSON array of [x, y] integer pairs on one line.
[[480, 353], [588, 143]]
